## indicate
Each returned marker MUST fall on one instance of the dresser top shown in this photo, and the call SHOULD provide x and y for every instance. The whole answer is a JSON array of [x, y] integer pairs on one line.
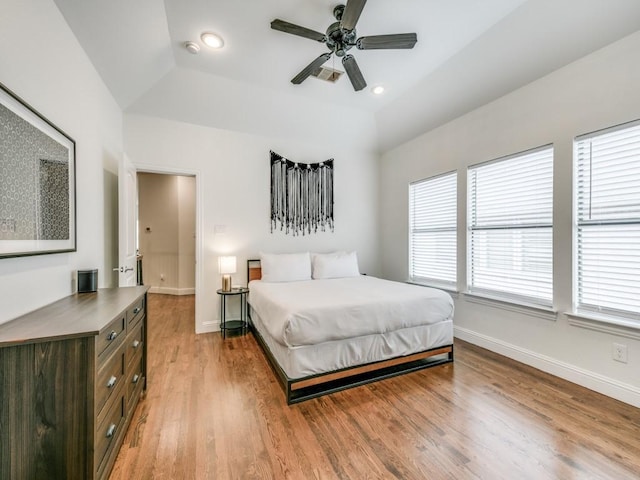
[[78, 315]]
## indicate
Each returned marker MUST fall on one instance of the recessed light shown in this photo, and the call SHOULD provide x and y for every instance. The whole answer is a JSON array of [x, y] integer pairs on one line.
[[378, 90], [192, 47], [212, 40]]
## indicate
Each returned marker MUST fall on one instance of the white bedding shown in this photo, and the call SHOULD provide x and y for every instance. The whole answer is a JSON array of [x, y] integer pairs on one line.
[[317, 311], [303, 361]]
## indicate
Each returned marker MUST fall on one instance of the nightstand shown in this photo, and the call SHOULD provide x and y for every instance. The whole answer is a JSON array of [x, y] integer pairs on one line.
[[235, 324]]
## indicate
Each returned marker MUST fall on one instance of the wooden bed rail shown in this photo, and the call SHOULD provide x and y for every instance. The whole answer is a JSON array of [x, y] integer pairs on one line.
[[329, 377]]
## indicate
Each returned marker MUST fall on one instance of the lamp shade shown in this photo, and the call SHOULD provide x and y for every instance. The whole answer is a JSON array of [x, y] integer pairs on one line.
[[227, 265]]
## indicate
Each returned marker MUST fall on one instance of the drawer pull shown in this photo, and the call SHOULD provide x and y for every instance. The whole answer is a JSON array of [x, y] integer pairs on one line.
[[136, 310], [112, 335], [135, 344], [112, 381], [111, 430], [135, 379]]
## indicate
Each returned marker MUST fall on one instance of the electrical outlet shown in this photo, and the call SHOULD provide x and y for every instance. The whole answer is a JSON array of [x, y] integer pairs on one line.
[[620, 352]]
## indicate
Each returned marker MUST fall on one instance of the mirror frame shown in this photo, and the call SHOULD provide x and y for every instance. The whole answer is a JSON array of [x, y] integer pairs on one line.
[[41, 129]]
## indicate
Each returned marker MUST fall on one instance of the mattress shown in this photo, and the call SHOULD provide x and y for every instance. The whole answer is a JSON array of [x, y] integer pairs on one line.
[[318, 326]]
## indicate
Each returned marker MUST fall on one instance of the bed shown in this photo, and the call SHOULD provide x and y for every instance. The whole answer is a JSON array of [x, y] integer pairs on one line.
[[325, 330]]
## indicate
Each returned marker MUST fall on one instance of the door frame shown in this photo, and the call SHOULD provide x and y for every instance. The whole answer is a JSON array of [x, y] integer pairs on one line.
[[145, 168]]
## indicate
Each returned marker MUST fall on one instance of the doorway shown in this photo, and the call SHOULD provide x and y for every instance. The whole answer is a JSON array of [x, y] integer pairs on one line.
[[166, 232]]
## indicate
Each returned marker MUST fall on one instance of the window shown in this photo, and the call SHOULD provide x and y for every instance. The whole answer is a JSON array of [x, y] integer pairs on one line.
[[432, 230], [510, 238], [607, 230]]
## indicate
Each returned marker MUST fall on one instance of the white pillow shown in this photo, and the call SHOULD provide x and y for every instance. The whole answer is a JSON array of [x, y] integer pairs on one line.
[[285, 267], [335, 265], [314, 255]]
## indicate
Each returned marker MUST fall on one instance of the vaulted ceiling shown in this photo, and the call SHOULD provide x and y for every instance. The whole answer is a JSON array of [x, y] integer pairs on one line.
[[469, 52]]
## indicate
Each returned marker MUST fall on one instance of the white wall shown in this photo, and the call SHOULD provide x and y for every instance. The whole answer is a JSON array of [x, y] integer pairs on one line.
[[595, 92], [233, 195], [41, 61]]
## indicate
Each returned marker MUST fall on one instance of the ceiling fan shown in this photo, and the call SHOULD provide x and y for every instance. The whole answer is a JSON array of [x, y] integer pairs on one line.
[[340, 38]]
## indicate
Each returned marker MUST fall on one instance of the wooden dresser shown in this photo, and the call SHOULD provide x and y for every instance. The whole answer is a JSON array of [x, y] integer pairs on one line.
[[71, 374]]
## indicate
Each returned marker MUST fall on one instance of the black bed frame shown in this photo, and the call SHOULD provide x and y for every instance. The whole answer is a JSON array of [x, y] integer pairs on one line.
[[313, 386]]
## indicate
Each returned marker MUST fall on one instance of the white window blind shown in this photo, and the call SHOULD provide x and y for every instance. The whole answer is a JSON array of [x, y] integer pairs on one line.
[[510, 222], [432, 230], [607, 189]]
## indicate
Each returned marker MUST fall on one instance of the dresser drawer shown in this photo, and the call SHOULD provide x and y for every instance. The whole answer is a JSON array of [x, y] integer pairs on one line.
[[135, 380], [109, 378], [110, 337], [134, 343], [109, 430], [135, 313]]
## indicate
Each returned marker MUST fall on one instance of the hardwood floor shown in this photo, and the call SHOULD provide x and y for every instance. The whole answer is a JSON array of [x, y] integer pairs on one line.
[[214, 410]]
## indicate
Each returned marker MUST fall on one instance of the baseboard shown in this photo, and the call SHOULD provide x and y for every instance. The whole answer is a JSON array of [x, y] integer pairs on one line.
[[172, 291], [208, 327], [607, 386]]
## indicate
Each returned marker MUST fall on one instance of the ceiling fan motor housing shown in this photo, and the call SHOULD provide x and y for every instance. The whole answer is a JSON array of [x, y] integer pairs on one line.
[[340, 40]]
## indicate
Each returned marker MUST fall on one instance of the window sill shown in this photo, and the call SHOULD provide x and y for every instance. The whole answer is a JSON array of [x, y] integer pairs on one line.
[[523, 308], [446, 288], [605, 324]]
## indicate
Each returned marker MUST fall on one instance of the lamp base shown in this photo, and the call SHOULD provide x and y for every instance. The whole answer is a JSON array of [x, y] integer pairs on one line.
[[226, 283]]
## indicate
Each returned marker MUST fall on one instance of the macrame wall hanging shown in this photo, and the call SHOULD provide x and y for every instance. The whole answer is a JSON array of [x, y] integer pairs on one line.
[[301, 196]]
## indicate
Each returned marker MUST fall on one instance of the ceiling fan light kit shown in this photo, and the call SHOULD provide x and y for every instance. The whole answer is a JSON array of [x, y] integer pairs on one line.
[[340, 37]]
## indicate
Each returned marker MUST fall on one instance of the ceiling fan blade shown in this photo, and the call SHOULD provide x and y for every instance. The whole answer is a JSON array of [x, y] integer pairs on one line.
[[377, 42], [354, 73], [351, 14], [309, 69], [294, 29]]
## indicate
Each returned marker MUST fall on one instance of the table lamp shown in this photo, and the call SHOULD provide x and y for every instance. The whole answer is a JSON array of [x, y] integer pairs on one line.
[[226, 266]]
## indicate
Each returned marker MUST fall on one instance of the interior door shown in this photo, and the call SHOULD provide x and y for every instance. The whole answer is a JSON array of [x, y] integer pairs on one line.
[[127, 222]]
